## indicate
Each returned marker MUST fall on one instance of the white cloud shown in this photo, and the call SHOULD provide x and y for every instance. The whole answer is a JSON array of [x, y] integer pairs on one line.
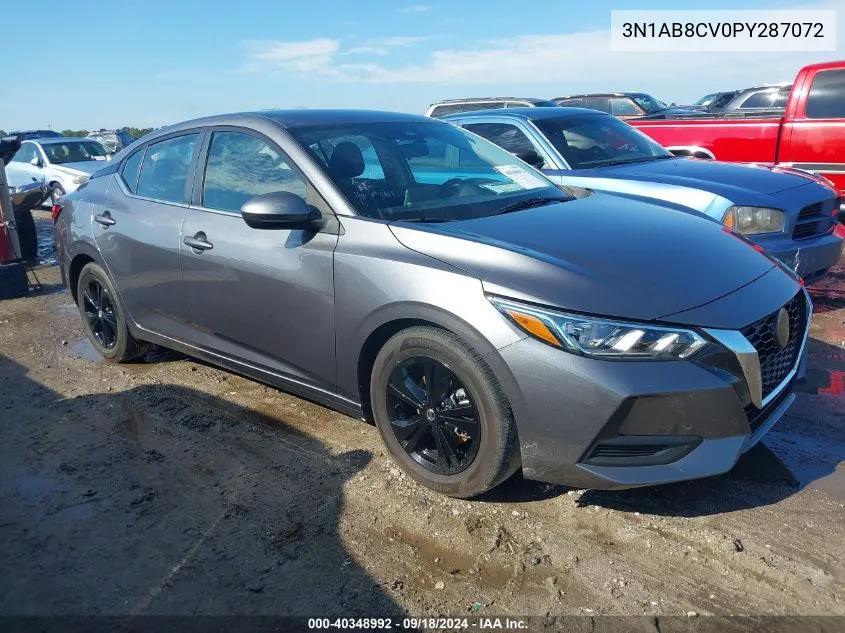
[[558, 63], [304, 56], [415, 8]]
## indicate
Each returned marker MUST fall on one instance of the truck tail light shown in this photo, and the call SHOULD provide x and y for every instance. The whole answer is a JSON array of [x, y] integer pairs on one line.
[[55, 211]]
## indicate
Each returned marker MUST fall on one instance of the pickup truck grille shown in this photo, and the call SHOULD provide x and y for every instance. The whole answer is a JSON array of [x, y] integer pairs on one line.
[[812, 220], [775, 361]]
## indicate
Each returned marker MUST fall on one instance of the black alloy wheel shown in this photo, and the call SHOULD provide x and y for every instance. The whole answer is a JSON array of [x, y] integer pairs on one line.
[[100, 313], [433, 416]]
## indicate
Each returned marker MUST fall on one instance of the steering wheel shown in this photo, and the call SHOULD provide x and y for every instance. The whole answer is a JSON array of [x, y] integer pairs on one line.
[[596, 152], [451, 187]]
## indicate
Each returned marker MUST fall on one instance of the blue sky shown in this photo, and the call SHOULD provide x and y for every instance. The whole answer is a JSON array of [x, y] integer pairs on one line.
[[152, 63]]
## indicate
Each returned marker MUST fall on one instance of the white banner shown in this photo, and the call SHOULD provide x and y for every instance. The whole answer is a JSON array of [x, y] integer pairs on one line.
[[723, 31]]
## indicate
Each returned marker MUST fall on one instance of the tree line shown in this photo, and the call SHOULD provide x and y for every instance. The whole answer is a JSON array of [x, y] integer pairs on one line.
[[134, 132]]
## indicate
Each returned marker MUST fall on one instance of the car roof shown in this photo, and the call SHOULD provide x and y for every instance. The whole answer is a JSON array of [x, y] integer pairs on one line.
[[289, 119], [483, 99], [55, 141], [605, 94], [533, 114]]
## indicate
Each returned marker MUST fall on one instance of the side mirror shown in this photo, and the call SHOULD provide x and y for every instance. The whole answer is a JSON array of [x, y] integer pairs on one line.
[[35, 162], [280, 210], [531, 157]]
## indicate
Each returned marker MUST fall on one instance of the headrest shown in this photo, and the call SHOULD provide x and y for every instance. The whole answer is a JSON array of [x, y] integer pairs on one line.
[[347, 161]]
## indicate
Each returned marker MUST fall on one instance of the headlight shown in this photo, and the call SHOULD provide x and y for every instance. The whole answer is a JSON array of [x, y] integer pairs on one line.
[[78, 180], [602, 338], [754, 220]]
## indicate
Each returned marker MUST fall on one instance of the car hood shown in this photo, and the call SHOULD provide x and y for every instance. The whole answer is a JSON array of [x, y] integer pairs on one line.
[[85, 167], [605, 255], [724, 179]]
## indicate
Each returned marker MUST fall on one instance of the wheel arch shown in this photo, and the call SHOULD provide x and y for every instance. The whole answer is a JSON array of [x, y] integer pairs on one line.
[[394, 319], [81, 255]]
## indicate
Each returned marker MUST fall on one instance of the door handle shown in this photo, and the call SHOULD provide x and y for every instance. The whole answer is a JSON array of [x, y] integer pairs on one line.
[[105, 219], [198, 242]]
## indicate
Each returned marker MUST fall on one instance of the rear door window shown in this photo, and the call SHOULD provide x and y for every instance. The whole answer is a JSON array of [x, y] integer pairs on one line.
[[597, 103], [25, 154], [826, 99], [165, 170], [241, 166]]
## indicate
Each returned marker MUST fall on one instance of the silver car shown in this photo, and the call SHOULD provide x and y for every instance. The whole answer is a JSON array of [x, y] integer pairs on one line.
[[398, 268], [62, 163]]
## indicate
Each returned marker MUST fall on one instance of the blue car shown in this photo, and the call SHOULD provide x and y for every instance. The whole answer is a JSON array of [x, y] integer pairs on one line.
[[792, 214]]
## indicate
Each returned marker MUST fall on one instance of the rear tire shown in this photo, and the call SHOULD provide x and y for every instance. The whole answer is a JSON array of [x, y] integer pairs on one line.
[[481, 454], [103, 317]]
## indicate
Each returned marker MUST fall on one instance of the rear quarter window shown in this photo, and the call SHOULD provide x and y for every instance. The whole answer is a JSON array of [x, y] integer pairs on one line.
[[130, 169], [826, 99]]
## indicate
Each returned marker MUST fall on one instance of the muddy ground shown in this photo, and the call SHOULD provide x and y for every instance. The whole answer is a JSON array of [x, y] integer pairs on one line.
[[169, 486]]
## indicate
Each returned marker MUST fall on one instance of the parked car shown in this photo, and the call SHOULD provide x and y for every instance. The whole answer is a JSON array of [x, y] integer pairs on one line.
[[485, 319], [758, 100], [625, 105], [809, 134], [451, 106], [789, 213], [33, 134], [713, 102], [112, 140], [62, 164]]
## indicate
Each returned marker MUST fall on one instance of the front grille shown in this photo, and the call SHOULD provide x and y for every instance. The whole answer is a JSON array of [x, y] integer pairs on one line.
[[807, 229], [811, 210], [777, 362], [757, 417], [811, 220]]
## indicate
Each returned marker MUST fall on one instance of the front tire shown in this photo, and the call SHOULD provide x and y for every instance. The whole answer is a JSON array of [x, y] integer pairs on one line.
[[442, 414], [103, 317]]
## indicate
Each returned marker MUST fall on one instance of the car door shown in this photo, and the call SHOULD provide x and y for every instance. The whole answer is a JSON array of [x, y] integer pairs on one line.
[[814, 136], [137, 226], [21, 170], [263, 297]]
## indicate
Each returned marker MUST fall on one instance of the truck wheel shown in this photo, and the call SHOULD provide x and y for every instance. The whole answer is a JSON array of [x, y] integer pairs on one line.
[[442, 414]]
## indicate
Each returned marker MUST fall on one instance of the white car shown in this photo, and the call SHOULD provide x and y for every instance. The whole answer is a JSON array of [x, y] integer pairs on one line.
[[62, 164]]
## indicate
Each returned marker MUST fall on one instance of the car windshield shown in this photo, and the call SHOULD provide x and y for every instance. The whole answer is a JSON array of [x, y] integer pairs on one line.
[[73, 151], [422, 171], [545, 104], [588, 141], [649, 103], [706, 99]]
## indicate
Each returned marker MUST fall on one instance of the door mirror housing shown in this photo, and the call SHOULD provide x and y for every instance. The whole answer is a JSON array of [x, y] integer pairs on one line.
[[531, 157], [280, 210], [35, 162]]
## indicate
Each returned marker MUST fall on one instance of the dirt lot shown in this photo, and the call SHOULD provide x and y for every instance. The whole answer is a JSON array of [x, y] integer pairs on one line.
[[169, 486]]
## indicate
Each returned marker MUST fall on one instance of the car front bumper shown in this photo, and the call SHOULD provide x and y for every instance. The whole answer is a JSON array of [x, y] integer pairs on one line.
[[600, 424], [810, 258]]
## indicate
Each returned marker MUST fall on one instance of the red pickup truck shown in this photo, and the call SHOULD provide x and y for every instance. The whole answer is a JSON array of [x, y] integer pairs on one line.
[[809, 135]]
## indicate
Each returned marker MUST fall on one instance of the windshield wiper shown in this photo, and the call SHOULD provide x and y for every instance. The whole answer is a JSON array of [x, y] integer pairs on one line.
[[630, 161], [526, 204], [425, 219]]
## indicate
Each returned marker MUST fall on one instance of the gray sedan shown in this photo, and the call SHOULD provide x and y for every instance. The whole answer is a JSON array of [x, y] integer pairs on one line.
[[401, 269]]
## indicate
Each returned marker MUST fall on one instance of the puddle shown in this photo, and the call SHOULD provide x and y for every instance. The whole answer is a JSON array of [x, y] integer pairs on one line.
[[84, 349]]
